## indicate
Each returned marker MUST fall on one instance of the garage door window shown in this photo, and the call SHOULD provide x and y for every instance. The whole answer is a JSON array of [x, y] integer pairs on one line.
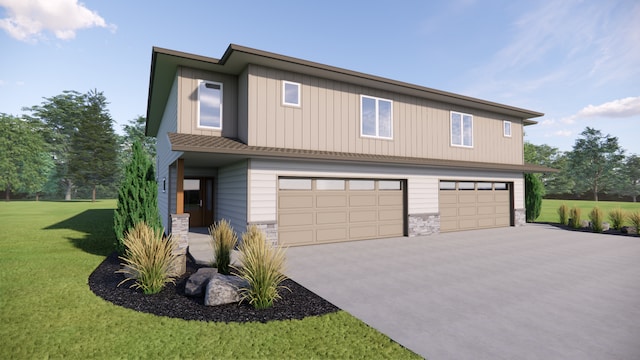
[[329, 184], [501, 186], [361, 184], [485, 186], [295, 184], [447, 185], [466, 186], [389, 185]]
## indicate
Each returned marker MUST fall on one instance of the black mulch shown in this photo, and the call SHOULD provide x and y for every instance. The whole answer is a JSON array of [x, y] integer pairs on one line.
[[171, 301]]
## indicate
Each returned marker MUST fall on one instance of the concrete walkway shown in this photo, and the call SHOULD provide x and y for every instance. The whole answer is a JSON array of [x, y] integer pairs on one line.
[[532, 292]]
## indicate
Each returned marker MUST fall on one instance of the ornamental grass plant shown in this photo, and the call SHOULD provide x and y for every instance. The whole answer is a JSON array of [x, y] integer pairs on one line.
[[263, 267], [563, 214], [148, 259], [634, 218], [575, 214], [223, 240], [616, 216], [596, 216]]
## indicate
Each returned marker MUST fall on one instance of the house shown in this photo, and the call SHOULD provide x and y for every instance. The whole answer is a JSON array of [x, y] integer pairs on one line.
[[313, 153]]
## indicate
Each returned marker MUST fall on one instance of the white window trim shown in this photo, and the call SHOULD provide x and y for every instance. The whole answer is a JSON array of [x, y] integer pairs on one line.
[[377, 99], [462, 115], [221, 105], [284, 98], [504, 128]]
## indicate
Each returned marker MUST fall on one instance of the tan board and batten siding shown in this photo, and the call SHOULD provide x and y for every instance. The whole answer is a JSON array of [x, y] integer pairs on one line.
[[329, 119], [314, 215]]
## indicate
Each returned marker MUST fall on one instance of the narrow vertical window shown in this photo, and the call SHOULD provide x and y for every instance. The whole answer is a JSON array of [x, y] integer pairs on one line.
[[290, 93], [461, 129], [376, 117], [210, 105], [507, 128]]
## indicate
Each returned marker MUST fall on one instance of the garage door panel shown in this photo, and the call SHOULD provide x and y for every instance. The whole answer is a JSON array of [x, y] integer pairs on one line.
[[486, 222], [362, 216], [466, 198], [483, 207], [362, 200], [296, 237], [334, 217], [332, 234], [327, 201], [296, 219], [467, 211], [448, 212], [296, 202], [390, 214], [393, 198], [468, 223], [363, 232], [389, 229], [449, 197], [486, 210], [484, 197]]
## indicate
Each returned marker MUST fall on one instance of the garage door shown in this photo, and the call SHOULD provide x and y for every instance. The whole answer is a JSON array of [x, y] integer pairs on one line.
[[466, 205], [314, 211]]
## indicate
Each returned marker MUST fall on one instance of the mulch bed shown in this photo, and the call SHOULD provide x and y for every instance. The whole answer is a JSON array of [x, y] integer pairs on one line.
[[172, 302], [624, 232]]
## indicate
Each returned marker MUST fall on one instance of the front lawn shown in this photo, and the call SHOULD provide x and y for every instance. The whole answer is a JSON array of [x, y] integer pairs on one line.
[[549, 212], [48, 250]]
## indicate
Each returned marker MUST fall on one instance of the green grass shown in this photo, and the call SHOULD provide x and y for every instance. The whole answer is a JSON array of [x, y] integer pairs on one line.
[[549, 212], [48, 250]]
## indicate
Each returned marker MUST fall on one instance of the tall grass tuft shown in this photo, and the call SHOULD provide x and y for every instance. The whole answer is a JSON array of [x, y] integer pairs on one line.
[[262, 266], [223, 240], [563, 213], [596, 216], [575, 214], [148, 259], [634, 218], [616, 216]]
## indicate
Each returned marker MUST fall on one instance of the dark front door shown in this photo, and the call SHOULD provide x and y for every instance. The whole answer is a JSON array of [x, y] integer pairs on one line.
[[198, 201]]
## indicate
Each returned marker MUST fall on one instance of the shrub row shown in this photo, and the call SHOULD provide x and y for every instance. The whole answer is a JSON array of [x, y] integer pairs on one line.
[[572, 217]]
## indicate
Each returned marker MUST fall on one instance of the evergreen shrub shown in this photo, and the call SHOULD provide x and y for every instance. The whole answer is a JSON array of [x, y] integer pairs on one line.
[[533, 193]]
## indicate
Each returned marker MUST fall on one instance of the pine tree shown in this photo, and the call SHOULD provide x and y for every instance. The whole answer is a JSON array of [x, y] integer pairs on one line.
[[137, 197], [533, 193]]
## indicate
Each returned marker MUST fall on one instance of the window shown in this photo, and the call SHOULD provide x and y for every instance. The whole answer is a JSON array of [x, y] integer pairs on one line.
[[361, 184], [295, 184], [447, 185], [389, 185], [461, 129], [376, 118], [466, 186], [507, 128], [501, 186], [210, 105], [485, 186], [290, 93], [330, 184]]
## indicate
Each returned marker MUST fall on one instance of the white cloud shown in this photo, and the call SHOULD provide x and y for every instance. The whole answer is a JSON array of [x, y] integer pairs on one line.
[[563, 133], [27, 20], [626, 107], [547, 122]]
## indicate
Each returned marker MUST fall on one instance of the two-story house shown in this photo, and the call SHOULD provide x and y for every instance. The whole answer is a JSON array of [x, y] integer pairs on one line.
[[313, 153]]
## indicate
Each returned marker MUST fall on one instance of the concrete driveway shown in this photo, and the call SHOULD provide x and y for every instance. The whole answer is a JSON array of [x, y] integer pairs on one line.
[[532, 292]]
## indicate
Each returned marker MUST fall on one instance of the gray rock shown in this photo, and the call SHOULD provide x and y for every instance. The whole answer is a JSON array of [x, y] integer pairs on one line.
[[585, 224], [223, 289], [196, 283], [605, 226]]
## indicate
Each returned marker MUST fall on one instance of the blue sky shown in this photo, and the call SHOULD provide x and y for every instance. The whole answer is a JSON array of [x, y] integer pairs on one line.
[[576, 61]]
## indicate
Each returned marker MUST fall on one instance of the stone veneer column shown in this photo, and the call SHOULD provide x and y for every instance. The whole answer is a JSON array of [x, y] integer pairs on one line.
[[271, 231], [180, 233], [424, 224], [520, 217]]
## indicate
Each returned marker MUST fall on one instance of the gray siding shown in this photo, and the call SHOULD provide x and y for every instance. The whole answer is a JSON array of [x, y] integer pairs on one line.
[[165, 157], [243, 106], [231, 203], [188, 95], [329, 119]]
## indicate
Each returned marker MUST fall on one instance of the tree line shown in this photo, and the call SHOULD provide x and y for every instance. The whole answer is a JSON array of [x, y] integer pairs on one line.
[[66, 148], [596, 166]]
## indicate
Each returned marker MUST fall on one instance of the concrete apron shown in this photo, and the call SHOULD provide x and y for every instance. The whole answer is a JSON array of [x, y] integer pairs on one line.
[[529, 292]]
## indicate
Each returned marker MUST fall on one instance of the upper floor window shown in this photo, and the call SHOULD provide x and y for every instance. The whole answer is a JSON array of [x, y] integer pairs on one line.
[[461, 129], [506, 125], [290, 93], [376, 119], [210, 104]]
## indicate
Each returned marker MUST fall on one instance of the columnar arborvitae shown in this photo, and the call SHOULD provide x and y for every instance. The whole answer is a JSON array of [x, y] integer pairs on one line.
[[137, 197], [533, 193]]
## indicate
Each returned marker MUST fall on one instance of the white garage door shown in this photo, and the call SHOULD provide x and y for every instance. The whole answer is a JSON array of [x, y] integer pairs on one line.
[[314, 211], [466, 205]]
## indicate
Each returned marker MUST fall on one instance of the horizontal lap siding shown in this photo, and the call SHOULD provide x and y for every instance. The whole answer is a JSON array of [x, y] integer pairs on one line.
[[232, 195], [166, 157], [329, 120]]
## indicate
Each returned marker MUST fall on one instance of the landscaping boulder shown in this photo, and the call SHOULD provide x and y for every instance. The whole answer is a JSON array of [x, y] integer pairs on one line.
[[585, 224], [606, 226], [224, 289], [197, 282]]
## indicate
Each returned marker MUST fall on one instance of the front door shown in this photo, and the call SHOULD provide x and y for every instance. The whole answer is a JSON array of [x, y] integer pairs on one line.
[[198, 201]]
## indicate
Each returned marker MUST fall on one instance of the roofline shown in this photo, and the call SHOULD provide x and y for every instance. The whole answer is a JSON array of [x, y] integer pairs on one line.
[[525, 114]]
